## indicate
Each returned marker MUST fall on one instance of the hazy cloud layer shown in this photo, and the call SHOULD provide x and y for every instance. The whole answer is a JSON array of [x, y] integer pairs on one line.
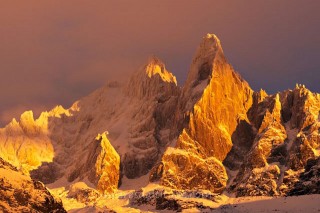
[[54, 52]]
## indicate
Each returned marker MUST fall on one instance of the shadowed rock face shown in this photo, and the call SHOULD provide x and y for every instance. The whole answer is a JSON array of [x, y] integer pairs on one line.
[[308, 181], [19, 193], [156, 91]]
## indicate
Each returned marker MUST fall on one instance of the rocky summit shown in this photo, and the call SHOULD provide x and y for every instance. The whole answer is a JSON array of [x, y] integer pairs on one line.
[[214, 134]]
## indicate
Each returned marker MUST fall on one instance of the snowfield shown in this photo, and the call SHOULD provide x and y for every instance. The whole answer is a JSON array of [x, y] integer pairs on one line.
[[189, 201]]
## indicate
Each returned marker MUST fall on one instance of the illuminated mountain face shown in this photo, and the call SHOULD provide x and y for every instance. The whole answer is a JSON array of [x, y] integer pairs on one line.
[[215, 133]]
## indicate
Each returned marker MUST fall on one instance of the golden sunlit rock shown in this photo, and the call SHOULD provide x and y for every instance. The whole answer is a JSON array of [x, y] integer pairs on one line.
[[157, 67], [107, 166], [215, 99], [27, 144]]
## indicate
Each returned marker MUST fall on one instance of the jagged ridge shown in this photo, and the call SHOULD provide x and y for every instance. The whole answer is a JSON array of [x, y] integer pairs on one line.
[[213, 131]]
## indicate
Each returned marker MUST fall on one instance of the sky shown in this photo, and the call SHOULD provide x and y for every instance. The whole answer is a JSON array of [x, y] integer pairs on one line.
[[55, 52]]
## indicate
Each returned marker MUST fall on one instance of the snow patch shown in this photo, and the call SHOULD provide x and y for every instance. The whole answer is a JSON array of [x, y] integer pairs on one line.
[[291, 135]]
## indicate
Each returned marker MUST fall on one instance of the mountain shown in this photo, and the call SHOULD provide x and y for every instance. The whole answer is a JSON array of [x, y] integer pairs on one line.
[[215, 133], [67, 143], [19, 193], [213, 102]]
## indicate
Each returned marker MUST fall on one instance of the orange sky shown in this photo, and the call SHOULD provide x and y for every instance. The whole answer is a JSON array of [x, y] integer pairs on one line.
[[54, 52]]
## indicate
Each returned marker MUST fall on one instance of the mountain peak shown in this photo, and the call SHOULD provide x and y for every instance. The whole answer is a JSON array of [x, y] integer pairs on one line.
[[151, 80], [210, 45], [208, 54], [212, 39], [156, 66], [153, 59]]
